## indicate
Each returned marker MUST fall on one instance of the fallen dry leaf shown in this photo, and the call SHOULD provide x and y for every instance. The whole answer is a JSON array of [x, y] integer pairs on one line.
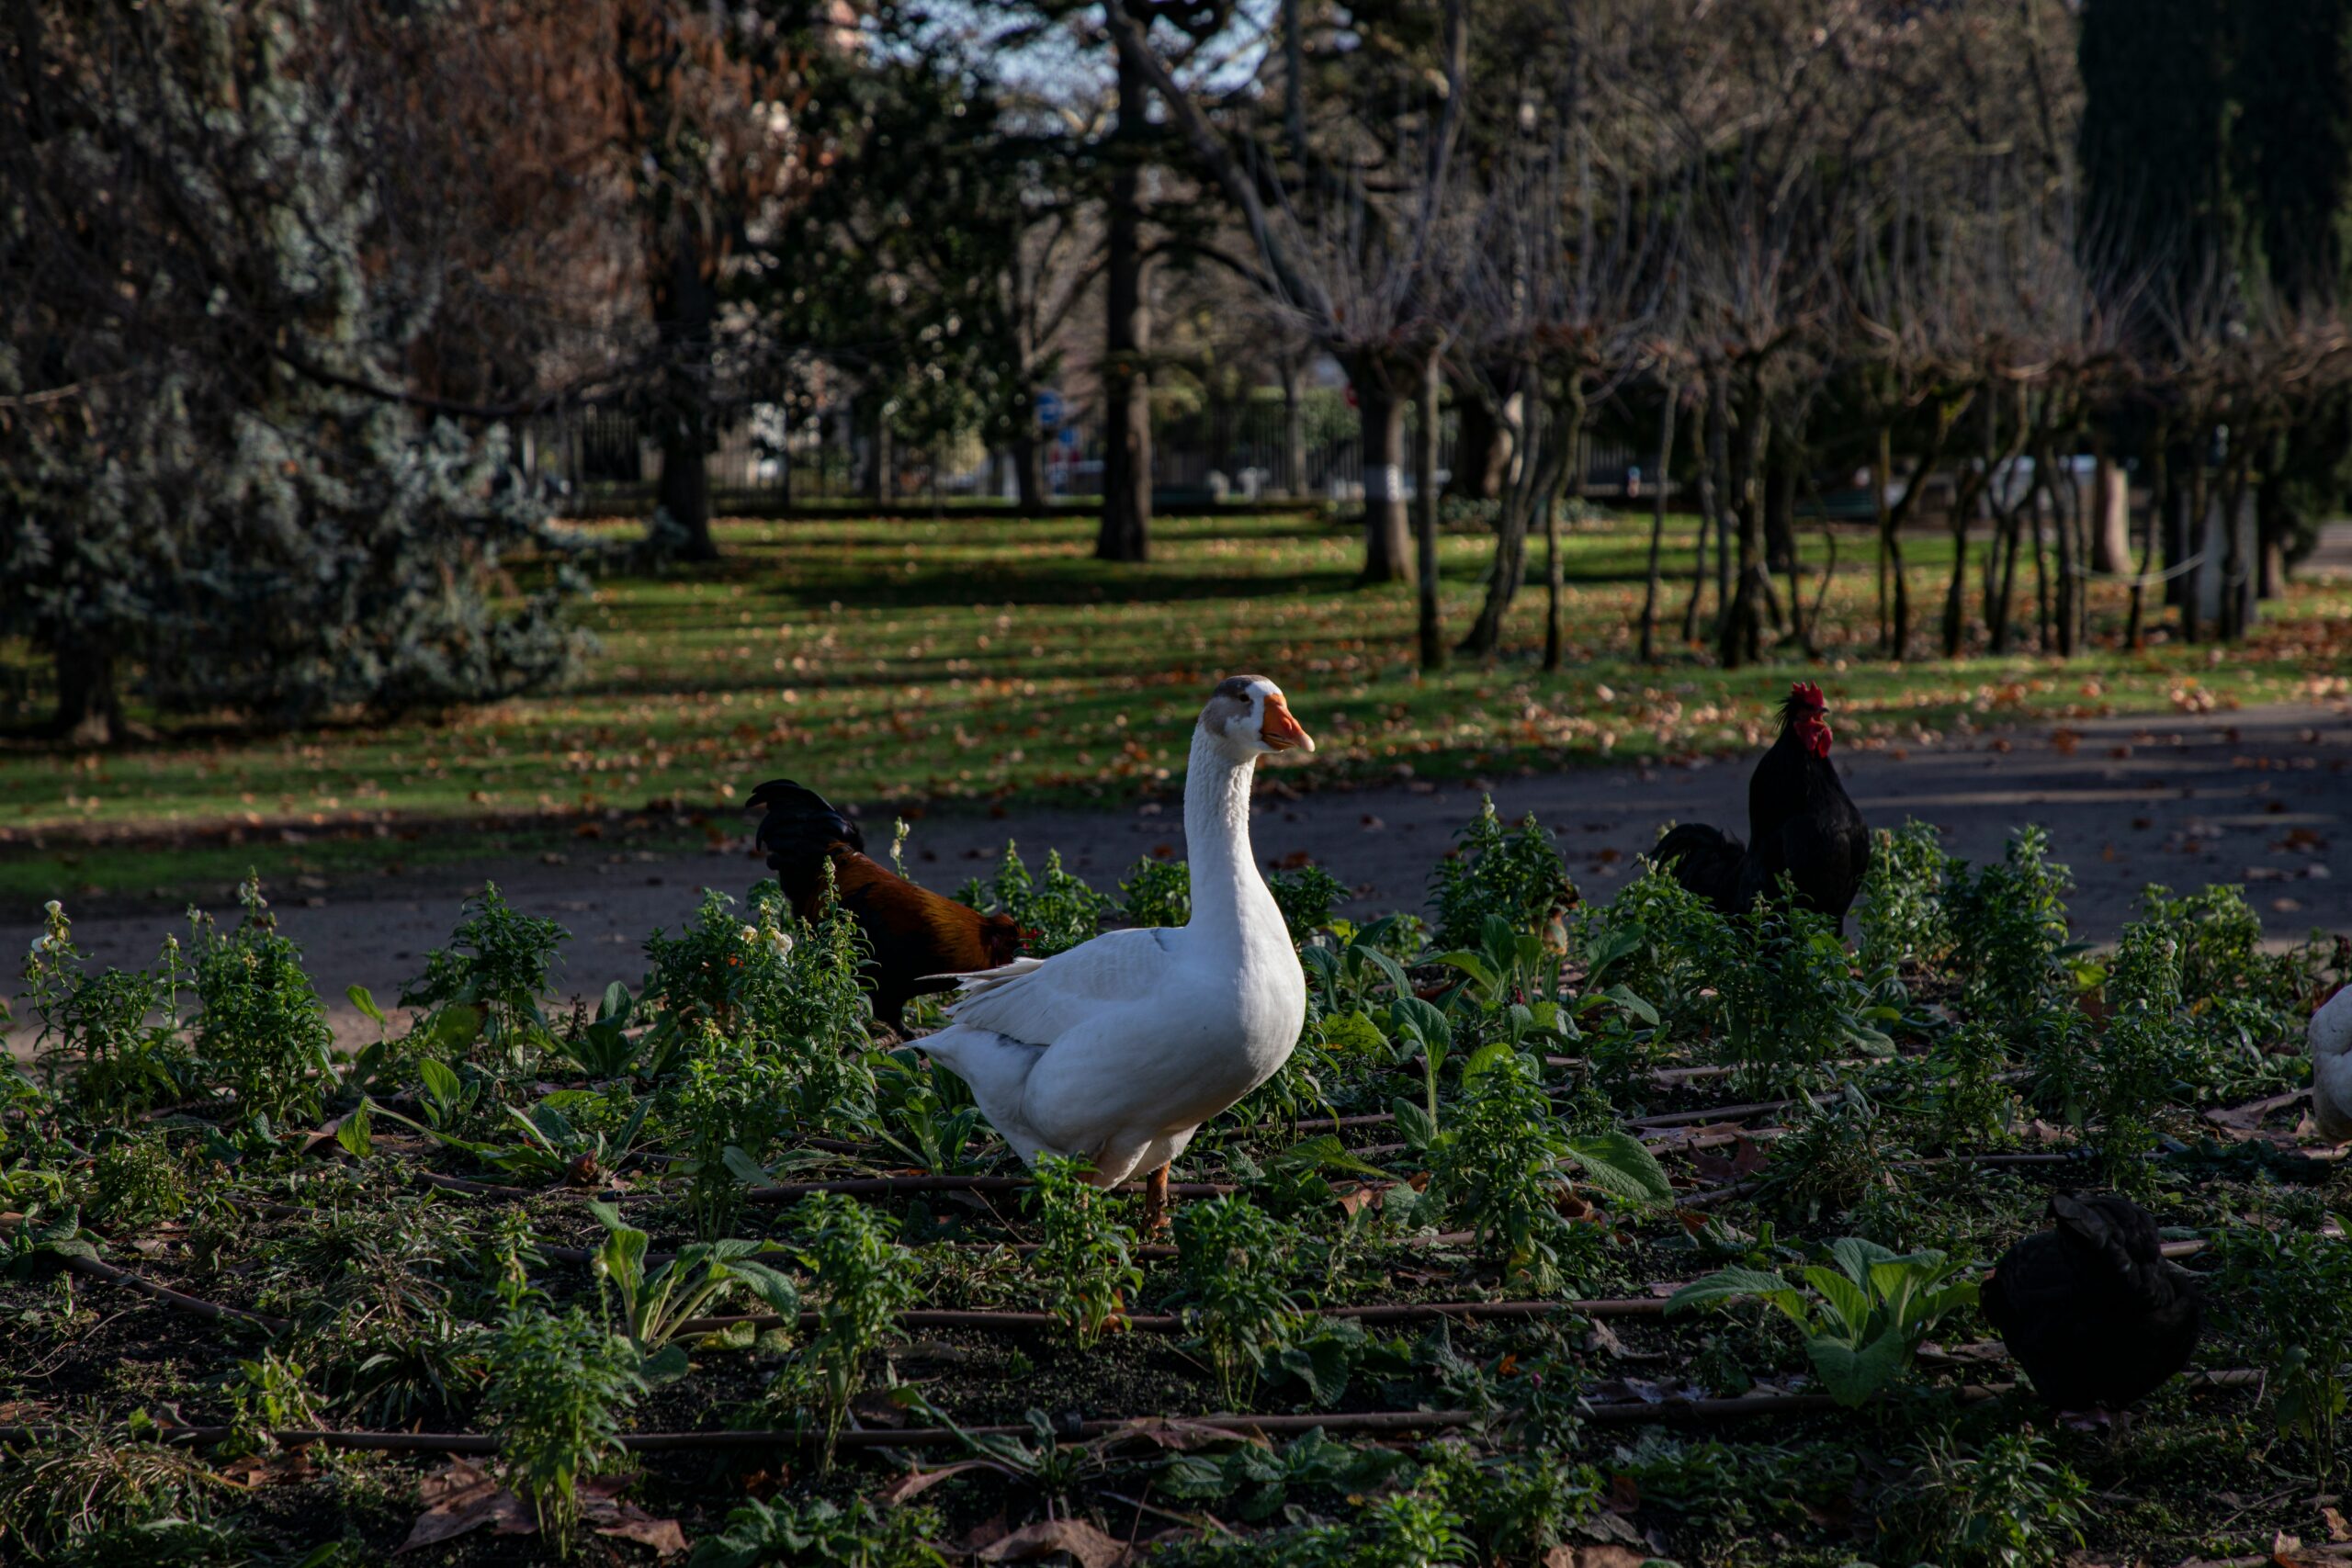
[[915, 1482], [1089, 1546], [460, 1499], [1606, 1555], [626, 1521]]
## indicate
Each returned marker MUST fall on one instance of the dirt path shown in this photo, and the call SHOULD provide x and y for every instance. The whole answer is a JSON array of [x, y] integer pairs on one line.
[[2262, 797]]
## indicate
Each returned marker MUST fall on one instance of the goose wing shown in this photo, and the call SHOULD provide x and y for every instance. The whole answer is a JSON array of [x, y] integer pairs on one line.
[[1038, 1000]]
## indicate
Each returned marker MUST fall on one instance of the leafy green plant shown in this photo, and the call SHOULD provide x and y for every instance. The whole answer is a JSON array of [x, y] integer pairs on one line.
[[1790, 1001], [1306, 897], [1508, 964], [271, 1394], [2221, 956], [1967, 1102], [90, 1494], [1830, 1158], [1156, 893], [1345, 963], [135, 1180], [1904, 921], [1658, 940], [655, 1301], [2293, 1289], [2011, 1504], [116, 1036], [1420, 1028], [1088, 1256], [2138, 1064], [491, 974], [1865, 1318], [791, 985], [1514, 872], [918, 1123], [559, 1387], [1497, 1166], [1054, 909], [731, 1102], [1256, 1483], [760, 1535], [262, 1026], [601, 1047], [866, 1279], [2008, 925], [1232, 1256]]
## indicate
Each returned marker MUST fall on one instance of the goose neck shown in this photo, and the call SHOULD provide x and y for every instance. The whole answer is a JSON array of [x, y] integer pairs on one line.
[[1226, 888]]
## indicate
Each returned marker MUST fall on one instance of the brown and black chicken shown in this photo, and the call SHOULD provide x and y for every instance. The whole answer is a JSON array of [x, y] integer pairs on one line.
[[914, 937]]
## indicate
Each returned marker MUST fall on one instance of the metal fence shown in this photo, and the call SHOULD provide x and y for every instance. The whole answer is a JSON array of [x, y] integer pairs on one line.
[[1247, 451]]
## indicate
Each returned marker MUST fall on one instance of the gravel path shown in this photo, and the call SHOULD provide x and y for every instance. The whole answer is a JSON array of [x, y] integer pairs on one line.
[[2261, 796]]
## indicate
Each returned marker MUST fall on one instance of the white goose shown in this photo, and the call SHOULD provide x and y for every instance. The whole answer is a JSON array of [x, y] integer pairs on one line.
[[1120, 1048], [2331, 1038]]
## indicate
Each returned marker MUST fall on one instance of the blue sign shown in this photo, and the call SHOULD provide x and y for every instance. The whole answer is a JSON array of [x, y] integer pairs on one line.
[[1050, 408], [1069, 436]]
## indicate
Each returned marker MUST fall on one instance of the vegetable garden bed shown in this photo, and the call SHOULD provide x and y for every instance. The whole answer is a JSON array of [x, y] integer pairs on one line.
[[716, 1276]]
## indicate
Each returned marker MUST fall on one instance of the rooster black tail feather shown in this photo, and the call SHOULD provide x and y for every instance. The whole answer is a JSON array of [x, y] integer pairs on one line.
[[799, 831], [1706, 861]]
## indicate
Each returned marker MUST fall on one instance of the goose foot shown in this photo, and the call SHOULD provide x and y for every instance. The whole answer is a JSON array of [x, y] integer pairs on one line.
[[1154, 1201]]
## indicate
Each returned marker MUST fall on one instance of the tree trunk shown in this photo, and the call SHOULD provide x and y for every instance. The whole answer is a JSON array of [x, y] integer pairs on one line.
[[1781, 507], [1127, 385], [1712, 462], [2273, 522], [881, 480], [1294, 428], [2180, 533], [1661, 486], [1425, 456], [1029, 473], [1547, 452], [685, 307], [2192, 587], [2110, 518], [2135, 630], [1387, 534], [1482, 451], [89, 700], [1739, 635], [1570, 481]]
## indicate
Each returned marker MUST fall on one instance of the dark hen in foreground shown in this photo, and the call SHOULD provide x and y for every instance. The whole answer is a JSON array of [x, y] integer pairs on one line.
[[2090, 1308], [913, 935], [1800, 822]]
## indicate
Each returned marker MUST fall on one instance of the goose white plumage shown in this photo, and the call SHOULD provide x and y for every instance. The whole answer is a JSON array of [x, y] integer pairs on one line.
[[2331, 1042], [1120, 1048]]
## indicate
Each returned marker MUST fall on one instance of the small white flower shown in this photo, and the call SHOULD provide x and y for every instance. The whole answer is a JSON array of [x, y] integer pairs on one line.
[[782, 941], [750, 934], [52, 908]]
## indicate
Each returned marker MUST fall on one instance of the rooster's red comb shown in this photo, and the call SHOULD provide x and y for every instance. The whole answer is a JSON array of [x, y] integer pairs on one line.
[[1809, 693]]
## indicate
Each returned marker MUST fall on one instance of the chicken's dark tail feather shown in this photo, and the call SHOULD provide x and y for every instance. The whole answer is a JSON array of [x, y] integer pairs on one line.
[[801, 826], [1704, 860], [2123, 1236]]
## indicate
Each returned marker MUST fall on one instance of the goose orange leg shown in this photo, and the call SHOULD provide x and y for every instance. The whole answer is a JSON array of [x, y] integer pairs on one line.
[[1154, 1201]]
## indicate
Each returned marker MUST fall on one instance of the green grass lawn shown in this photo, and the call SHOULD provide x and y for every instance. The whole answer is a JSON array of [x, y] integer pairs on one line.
[[965, 659]]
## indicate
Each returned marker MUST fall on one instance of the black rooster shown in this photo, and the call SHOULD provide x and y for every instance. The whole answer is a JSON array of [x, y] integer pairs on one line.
[[2091, 1309], [913, 936], [1799, 822]]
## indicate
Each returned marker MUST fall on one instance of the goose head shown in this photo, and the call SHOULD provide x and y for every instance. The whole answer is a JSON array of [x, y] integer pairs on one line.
[[1247, 717]]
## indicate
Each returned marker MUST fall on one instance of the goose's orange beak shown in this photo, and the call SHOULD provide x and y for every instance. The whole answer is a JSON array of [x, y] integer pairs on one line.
[[1280, 730]]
